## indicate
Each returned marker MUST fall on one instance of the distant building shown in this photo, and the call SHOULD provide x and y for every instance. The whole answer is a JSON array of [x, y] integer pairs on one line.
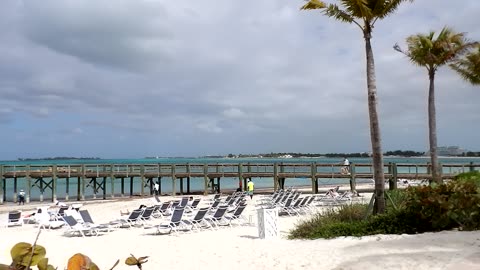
[[449, 151]]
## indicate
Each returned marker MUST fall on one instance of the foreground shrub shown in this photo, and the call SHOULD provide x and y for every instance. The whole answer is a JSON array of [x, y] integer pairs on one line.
[[346, 220], [453, 205]]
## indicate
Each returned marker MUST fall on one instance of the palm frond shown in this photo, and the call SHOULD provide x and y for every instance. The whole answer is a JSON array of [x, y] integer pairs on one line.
[[468, 67], [383, 8], [357, 8], [335, 12], [313, 4], [433, 51]]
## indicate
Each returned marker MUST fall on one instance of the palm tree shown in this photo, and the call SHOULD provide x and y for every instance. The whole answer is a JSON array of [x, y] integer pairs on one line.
[[431, 52], [364, 14], [469, 66]]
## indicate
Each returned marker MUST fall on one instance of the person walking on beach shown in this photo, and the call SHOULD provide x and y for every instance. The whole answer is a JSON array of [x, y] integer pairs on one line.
[[250, 188], [21, 197], [156, 188], [346, 166]]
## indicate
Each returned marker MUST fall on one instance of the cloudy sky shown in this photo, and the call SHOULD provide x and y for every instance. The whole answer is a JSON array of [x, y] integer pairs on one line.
[[136, 78]]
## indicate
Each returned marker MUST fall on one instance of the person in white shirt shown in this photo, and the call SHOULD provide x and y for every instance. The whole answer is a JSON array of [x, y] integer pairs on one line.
[[21, 197], [346, 165]]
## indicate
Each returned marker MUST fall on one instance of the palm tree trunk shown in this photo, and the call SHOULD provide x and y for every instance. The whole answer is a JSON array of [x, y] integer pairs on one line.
[[432, 127], [378, 174]]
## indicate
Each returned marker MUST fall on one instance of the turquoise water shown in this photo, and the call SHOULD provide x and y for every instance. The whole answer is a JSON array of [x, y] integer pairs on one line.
[[197, 184]]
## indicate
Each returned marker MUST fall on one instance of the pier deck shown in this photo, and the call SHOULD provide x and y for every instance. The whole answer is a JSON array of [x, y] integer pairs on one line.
[[97, 176]]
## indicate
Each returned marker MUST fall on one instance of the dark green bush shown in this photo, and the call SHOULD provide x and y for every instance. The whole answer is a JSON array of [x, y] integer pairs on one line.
[[325, 225], [455, 204], [395, 199]]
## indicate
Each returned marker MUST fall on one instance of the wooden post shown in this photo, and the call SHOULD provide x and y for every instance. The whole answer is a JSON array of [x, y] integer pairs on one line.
[[67, 188], [83, 182], [275, 176], [205, 179], [218, 185], [54, 183], [159, 185], [188, 178], [150, 181], [142, 173], [131, 186], [2, 185], [122, 187], [472, 168], [353, 183], [94, 187], [282, 179], [15, 194], [174, 182], [112, 182], [29, 185], [104, 187], [313, 170], [440, 171], [394, 176], [79, 186], [181, 185], [240, 176]]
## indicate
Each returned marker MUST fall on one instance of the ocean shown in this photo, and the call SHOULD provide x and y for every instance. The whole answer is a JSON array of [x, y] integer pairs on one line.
[[197, 184]]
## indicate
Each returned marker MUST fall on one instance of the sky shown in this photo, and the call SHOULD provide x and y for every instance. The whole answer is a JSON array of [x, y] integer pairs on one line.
[[137, 78]]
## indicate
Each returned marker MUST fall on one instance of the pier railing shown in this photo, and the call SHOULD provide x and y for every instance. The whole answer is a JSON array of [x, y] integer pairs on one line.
[[92, 178]]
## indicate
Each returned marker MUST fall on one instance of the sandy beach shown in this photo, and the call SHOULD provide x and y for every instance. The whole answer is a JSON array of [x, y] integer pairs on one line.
[[240, 247]]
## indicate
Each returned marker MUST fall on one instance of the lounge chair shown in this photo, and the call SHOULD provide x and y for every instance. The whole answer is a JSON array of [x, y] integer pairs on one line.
[[87, 220], [236, 216], [74, 227], [14, 218], [162, 211], [129, 221], [217, 217], [173, 224], [195, 203], [197, 221], [146, 215]]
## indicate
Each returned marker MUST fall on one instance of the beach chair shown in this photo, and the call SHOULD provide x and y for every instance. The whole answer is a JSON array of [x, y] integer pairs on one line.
[[14, 218], [73, 213], [131, 220], [173, 224], [73, 228], [197, 221], [184, 202], [161, 211], [146, 215], [88, 221], [195, 203], [236, 216], [217, 217]]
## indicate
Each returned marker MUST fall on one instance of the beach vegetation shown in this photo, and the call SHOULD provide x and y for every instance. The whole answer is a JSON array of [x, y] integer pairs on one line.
[[24, 255], [365, 14], [437, 207], [432, 51]]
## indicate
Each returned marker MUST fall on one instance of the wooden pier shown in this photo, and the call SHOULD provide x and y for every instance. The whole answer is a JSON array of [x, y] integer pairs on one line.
[[100, 177]]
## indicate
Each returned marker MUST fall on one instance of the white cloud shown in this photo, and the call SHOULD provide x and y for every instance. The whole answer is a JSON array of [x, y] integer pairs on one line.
[[262, 73]]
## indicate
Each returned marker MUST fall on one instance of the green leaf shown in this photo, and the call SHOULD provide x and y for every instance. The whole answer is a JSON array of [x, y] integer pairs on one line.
[[22, 251], [313, 4], [43, 264]]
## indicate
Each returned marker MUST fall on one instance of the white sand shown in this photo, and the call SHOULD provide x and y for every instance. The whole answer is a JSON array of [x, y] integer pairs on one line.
[[240, 248]]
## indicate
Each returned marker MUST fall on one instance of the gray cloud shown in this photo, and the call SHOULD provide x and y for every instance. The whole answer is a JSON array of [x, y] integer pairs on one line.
[[210, 77]]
